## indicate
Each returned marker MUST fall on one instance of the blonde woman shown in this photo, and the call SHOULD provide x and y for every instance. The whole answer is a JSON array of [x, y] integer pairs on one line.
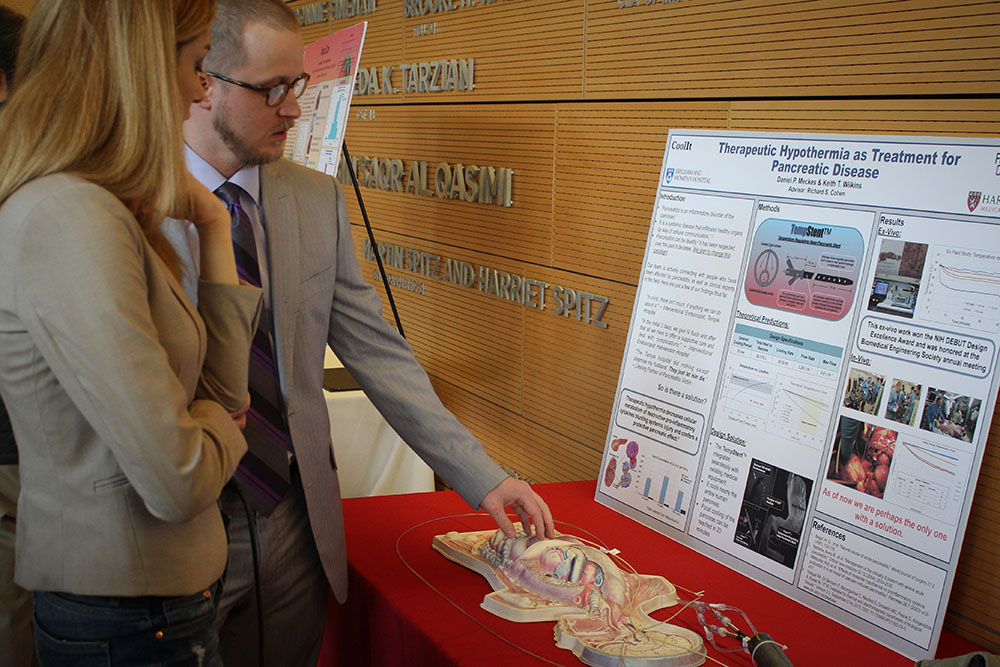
[[119, 390]]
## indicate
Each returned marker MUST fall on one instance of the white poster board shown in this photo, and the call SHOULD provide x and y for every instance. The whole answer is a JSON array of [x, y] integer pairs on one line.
[[810, 368], [332, 64]]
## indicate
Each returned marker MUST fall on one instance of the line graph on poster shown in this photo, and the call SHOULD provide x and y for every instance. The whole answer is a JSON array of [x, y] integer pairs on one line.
[[785, 388], [963, 289], [800, 412], [748, 394], [929, 479]]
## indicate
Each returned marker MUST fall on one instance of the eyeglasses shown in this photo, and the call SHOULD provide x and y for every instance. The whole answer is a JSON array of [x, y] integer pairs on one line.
[[275, 94]]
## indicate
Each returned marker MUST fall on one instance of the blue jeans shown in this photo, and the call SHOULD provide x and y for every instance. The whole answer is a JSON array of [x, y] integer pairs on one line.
[[85, 630]]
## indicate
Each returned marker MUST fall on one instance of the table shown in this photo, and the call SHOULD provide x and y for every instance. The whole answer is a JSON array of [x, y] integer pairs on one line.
[[371, 458], [408, 605]]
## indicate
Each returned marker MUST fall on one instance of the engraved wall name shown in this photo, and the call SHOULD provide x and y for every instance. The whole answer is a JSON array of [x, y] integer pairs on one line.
[[471, 183], [412, 8], [622, 4], [566, 302], [434, 76], [332, 10]]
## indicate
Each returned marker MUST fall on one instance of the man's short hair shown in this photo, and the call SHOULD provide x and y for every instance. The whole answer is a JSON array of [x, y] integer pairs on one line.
[[231, 20], [11, 24]]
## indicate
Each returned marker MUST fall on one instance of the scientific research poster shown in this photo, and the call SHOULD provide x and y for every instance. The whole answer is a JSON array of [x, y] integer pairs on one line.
[[811, 366], [332, 64]]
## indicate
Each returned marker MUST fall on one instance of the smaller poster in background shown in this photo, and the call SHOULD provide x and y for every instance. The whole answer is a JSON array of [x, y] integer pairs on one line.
[[332, 64]]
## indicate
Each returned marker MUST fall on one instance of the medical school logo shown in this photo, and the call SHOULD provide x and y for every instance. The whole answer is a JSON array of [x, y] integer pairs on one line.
[[973, 200], [670, 174]]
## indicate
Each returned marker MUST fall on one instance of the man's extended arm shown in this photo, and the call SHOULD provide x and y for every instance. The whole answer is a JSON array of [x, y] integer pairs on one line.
[[383, 364]]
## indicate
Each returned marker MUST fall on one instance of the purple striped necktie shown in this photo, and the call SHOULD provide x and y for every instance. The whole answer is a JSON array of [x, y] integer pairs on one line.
[[263, 472]]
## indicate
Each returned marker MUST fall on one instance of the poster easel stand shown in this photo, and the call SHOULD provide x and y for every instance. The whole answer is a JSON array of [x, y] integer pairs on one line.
[[371, 237]]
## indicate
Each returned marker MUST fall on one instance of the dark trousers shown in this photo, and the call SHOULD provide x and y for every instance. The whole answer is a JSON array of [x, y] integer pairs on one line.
[[293, 585], [86, 630]]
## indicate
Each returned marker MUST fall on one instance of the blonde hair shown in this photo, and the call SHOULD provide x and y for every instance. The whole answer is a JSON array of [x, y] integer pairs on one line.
[[97, 95]]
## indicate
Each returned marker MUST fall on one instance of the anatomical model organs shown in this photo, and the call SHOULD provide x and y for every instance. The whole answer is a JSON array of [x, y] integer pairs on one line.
[[601, 611]]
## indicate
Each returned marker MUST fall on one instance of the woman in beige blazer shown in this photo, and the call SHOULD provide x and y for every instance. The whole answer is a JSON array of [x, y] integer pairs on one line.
[[121, 393]]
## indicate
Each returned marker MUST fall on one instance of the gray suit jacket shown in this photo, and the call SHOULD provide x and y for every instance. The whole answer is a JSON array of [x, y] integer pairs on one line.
[[320, 297], [125, 437]]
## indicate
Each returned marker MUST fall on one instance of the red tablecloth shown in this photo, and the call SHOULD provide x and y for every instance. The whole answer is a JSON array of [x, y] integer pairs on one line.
[[408, 605]]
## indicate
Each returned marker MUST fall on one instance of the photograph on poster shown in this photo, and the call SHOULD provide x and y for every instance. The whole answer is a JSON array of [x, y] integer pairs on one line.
[[864, 391], [897, 277], [611, 470], [861, 457], [629, 463], [772, 512], [951, 414], [903, 400]]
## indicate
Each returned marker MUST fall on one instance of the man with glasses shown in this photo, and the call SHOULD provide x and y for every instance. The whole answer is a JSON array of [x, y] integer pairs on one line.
[[292, 235], [276, 94]]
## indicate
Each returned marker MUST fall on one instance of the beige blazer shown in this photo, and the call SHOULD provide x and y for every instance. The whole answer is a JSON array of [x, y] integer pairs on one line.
[[119, 394]]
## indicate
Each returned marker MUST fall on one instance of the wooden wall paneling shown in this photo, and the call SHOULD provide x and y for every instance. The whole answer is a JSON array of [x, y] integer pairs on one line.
[[932, 117], [531, 450], [478, 344], [608, 158], [971, 596], [571, 367], [519, 137], [541, 51], [973, 631], [523, 49], [460, 335], [538, 389], [973, 611], [733, 48], [383, 39], [20, 6], [514, 356]]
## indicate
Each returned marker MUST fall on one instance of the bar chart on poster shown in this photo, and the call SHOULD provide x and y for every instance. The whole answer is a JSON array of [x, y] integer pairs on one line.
[[811, 366], [677, 504], [663, 487]]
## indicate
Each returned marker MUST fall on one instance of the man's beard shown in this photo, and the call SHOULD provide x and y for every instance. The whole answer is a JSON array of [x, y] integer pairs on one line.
[[244, 152]]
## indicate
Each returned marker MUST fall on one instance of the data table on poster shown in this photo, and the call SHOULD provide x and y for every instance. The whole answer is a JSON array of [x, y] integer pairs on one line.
[[930, 479], [781, 386]]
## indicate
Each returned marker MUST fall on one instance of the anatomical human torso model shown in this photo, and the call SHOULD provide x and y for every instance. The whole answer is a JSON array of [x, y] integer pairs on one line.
[[601, 610]]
